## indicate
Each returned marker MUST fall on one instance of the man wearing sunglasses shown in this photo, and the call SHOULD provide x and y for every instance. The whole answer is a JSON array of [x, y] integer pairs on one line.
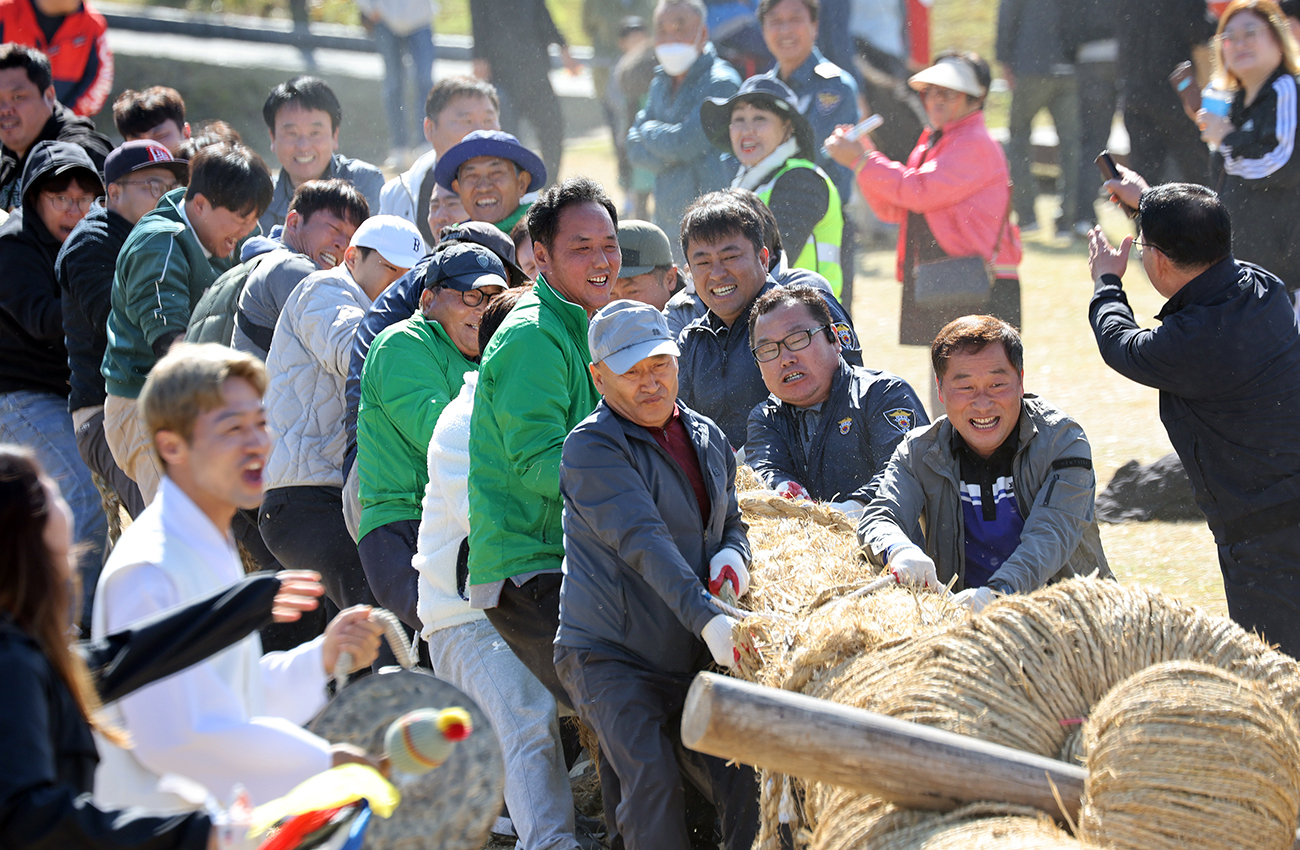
[[828, 428], [136, 175], [413, 370]]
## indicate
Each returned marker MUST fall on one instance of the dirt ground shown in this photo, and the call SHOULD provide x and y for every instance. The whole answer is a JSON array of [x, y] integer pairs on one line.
[[1061, 364]]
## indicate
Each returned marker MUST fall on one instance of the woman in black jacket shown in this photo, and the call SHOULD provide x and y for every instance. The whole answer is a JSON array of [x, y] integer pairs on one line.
[[1257, 60], [48, 704]]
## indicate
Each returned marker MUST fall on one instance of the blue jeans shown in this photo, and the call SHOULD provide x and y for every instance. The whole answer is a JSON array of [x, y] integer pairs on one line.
[[41, 422], [419, 46]]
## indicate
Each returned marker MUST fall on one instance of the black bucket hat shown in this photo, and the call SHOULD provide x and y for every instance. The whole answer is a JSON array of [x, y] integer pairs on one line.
[[766, 93]]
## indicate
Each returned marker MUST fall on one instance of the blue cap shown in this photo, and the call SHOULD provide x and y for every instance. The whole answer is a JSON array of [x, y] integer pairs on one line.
[[489, 143], [464, 267]]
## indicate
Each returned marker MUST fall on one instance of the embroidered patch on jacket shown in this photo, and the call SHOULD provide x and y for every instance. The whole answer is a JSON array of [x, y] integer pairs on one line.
[[844, 332], [827, 101], [901, 418], [845, 424]]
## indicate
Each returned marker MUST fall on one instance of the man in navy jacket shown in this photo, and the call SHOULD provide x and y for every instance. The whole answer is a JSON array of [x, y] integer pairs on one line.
[[1226, 360]]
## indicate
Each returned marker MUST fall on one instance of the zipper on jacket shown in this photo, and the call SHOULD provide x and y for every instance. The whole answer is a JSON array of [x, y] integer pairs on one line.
[[1051, 485]]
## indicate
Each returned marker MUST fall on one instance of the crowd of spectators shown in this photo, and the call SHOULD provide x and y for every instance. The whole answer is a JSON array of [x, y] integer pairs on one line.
[[479, 398]]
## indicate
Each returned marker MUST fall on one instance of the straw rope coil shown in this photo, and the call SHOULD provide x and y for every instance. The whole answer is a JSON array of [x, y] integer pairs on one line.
[[981, 826], [1185, 756]]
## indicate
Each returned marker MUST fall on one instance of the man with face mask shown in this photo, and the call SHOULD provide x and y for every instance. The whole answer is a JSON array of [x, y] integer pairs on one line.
[[667, 136]]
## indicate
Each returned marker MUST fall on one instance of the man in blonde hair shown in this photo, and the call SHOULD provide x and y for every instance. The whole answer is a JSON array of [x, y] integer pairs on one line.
[[236, 718]]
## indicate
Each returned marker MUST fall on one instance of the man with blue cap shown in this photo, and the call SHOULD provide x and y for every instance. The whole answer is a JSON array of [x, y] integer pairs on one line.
[[651, 530], [414, 369], [491, 172]]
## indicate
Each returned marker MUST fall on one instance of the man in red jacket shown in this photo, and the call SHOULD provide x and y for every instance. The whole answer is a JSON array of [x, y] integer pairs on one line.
[[71, 33]]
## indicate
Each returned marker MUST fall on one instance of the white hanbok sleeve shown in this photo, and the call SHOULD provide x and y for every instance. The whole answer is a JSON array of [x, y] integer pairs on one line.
[[193, 724]]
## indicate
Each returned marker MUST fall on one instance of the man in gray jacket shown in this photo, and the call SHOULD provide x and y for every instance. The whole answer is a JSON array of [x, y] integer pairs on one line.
[[1003, 481], [651, 527]]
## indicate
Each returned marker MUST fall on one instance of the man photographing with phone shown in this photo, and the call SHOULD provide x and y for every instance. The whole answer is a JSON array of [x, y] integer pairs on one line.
[[1226, 360]]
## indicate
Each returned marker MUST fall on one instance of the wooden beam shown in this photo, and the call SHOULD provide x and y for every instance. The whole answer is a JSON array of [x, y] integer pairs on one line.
[[909, 764]]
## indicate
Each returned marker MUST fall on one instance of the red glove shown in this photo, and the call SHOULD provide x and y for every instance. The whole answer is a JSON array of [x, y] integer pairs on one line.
[[793, 491], [728, 565]]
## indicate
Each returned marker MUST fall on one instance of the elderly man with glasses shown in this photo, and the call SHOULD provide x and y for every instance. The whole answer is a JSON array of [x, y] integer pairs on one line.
[[828, 428]]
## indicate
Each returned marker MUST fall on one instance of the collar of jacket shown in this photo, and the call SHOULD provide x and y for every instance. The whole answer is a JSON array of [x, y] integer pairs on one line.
[[942, 454], [956, 129], [803, 75], [573, 316], [697, 430], [702, 66], [742, 321], [1209, 286], [435, 327]]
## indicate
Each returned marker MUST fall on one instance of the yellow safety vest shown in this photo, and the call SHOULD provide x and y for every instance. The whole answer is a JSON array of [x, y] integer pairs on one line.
[[821, 253]]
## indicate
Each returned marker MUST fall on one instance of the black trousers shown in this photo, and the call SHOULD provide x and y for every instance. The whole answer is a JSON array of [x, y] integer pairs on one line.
[[1161, 132], [527, 617], [526, 93], [386, 554], [303, 527], [636, 714], [1261, 578]]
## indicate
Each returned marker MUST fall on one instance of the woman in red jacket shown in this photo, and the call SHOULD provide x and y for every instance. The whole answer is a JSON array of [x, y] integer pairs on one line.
[[951, 196]]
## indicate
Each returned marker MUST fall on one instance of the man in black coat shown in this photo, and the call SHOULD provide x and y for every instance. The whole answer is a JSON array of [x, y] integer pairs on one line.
[[1226, 360], [29, 113], [511, 50], [136, 175], [828, 428], [651, 528]]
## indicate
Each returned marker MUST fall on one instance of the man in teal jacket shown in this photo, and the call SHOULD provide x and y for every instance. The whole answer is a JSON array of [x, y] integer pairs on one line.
[[414, 369], [533, 389], [172, 255]]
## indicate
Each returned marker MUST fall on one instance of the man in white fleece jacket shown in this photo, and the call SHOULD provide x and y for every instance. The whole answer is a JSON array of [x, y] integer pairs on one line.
[[466, 650]]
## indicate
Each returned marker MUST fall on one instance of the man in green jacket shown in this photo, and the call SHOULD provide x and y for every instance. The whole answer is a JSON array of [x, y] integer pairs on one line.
[[414, 369], [173, 254], [533, 389]]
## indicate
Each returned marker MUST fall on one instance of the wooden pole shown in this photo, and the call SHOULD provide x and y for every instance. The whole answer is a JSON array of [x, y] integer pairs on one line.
[[916, 766]]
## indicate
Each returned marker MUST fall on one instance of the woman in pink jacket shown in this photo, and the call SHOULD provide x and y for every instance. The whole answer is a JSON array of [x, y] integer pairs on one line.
[[950, 198]]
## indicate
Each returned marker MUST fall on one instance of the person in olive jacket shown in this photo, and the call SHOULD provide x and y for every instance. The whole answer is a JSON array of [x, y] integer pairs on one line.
[[651, 529]]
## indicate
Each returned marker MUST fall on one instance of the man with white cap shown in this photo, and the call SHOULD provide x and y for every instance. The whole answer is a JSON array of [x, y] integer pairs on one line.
[[651, 528], [301, 518], [413, 370]]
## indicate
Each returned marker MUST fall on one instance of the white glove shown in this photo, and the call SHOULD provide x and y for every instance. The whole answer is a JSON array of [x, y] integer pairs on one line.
[[728, 565], [717, 634], [851, 508], [975, 598], [230, 826], [909, 565], [792, 490]]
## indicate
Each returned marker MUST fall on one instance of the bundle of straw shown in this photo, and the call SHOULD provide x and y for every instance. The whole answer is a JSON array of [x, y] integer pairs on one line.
[[1185, 756], [982, 826]]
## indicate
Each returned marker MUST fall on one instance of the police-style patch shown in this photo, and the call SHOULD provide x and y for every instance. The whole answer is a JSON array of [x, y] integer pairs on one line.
[[844, 333], [901, 418], [827, 101], [845, 424]]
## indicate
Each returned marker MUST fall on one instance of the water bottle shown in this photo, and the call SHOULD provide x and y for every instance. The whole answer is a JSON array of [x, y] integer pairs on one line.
[[1216, 101]]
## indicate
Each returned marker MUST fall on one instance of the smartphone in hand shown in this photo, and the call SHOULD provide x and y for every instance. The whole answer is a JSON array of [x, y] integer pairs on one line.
[[1106, 165]]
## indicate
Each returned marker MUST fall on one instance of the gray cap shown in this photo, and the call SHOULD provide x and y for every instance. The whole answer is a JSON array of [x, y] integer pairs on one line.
[[623, 333], [644, 246]]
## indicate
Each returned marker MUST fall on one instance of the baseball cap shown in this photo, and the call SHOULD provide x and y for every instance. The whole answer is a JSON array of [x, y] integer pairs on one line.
[[643, 246], [140, 154], [623, 333], [489, 236], [465, 267], [950, 72], [396, 239]]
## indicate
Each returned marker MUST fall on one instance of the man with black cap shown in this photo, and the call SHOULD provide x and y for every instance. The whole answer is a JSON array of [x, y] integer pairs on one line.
[[651, 529], [648, 274], [414, 369], [136, 175], [491, 172], [401, 301]]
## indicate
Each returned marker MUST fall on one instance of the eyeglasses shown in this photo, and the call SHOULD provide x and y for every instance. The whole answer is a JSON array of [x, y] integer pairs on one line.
[[154, 186], [471, 297], [1142, 244], [62, 203], [797, 341], [1241, 36]]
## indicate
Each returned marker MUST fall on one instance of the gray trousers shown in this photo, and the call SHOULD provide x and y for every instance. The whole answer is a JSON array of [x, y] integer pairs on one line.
[[1059, 95], [474, 658]]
